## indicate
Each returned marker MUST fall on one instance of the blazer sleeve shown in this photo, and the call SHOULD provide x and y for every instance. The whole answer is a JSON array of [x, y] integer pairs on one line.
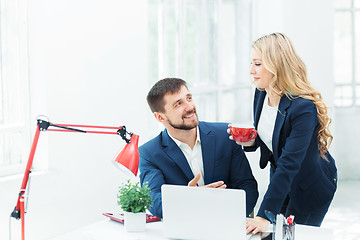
[[153, 176], [253, 147], [302, 120]]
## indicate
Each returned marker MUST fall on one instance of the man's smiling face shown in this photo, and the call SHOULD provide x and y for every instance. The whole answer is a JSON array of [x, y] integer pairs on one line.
[[180, 110]]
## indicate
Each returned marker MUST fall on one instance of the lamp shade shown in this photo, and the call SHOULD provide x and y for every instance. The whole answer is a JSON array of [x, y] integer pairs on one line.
[[127, 159]]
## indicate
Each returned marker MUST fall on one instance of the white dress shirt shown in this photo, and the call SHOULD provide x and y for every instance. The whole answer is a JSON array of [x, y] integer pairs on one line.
[[266, 123], [194, 156]]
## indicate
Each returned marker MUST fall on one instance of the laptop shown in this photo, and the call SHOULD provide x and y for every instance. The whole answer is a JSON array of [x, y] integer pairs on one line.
[[203, 213]]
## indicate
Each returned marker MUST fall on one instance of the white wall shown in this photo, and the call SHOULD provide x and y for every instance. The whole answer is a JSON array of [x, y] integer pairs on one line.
[[346, 143], [88, 65], [309, 24]]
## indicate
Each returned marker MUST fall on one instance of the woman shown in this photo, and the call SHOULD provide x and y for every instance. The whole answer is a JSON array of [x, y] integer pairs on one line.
[[293, 135]]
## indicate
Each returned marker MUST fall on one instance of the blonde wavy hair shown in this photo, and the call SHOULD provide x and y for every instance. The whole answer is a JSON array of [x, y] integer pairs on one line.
[[290, 78]]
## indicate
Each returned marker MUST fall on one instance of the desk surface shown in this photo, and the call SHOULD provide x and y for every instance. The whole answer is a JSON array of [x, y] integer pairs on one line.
[[108, 229]]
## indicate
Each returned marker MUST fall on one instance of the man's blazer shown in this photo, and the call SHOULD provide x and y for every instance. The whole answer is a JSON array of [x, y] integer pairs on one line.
[[301, 172], [162, 161]]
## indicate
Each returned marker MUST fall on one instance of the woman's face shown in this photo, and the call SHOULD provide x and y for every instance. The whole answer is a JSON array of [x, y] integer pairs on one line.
[[261, 76]]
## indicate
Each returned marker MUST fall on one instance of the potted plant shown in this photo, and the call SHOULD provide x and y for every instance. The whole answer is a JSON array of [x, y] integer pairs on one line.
[[134, 200]]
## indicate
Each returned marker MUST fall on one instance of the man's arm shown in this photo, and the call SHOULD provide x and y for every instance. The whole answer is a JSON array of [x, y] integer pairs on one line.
[[155, 179]]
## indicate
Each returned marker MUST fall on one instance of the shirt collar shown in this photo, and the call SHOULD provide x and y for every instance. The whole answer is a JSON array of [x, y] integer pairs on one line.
[[179, 143]]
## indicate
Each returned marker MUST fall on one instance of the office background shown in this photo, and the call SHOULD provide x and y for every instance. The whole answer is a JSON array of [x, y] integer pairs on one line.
[[92, 62]]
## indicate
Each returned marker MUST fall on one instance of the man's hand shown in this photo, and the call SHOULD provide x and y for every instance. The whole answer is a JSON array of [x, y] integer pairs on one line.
[[257, 225], [218, 184]]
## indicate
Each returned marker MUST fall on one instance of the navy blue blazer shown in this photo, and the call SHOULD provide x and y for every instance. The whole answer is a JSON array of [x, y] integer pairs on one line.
[[162, 161], [308, 179]]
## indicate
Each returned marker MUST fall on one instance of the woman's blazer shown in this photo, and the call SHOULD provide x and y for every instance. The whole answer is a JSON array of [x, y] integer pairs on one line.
[[301, 172]]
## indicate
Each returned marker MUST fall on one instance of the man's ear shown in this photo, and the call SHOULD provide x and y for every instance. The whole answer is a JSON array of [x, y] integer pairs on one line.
[[159, 116]]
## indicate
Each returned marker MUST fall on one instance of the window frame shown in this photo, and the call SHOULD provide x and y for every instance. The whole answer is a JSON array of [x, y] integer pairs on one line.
[[214, 86], [14, 87], [352, 10]]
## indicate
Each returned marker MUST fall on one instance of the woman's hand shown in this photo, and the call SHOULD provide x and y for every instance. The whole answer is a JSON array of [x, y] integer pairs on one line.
[[257, 225], [245, 144]]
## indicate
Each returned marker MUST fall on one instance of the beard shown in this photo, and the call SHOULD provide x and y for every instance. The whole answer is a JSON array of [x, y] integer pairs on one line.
[[183, 125]]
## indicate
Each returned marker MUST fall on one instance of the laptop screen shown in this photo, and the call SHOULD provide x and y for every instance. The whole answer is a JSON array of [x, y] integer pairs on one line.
[[203, 213]]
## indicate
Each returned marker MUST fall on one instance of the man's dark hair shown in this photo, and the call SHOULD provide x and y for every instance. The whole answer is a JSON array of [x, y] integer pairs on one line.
[[155, 97]]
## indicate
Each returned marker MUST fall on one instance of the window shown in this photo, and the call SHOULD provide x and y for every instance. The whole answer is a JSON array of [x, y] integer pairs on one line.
[[206, 43], [347, 53], [14, 102]]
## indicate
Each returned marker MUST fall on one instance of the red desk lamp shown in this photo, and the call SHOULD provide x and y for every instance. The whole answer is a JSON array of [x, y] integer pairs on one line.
[[126, 159]]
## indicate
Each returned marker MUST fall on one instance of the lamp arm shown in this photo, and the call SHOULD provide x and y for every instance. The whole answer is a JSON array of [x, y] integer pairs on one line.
[[16, 212], [68, 128]]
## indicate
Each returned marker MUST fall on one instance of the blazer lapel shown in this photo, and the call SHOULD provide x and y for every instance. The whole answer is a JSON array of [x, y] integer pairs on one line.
[[208, 152], [174, 153], [258, 106], [280, 118]]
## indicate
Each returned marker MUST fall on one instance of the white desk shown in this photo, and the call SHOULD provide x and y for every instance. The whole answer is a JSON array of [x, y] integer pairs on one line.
[[111, 230]]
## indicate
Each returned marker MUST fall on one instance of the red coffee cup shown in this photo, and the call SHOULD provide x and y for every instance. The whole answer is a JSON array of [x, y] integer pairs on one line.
[[243, 134]]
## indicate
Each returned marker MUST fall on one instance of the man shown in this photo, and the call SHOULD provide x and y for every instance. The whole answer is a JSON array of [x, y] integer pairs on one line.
[[189, 152]]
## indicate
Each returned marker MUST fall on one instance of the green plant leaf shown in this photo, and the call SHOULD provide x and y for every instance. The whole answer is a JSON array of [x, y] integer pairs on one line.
[[133, 197]]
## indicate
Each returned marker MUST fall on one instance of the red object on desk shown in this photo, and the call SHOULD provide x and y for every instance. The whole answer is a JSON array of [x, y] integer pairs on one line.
[[120, 217], [290, 220]]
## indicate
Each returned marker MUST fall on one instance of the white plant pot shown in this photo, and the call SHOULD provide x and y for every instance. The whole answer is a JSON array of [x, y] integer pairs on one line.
[[135, 222]]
